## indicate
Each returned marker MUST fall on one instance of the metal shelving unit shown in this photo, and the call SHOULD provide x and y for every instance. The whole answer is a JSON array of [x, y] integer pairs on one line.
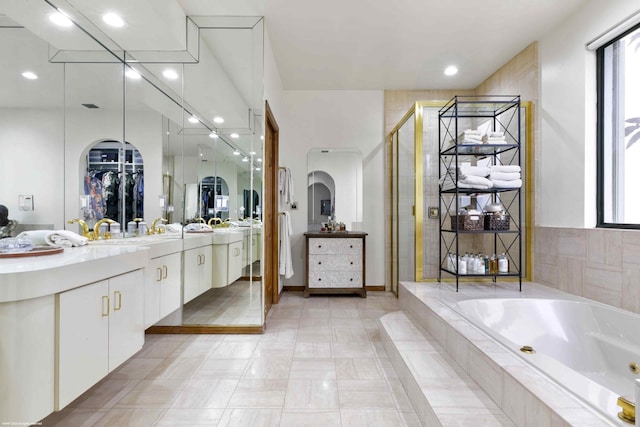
[[495, 114]]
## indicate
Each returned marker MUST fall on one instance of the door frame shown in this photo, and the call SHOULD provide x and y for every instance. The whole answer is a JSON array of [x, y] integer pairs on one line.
[[271, 236]]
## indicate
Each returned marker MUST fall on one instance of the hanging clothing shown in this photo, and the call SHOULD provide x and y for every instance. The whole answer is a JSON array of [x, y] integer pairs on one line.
[[285, 184], [285, 231]]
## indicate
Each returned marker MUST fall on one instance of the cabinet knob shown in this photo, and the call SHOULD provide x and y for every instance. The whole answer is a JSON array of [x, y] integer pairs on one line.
[[351, 280], [351, 263], [319, 280], [351, 246], [319, 246], [319, 262]]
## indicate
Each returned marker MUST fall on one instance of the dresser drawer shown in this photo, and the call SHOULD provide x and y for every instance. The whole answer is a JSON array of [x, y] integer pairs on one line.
[[329, 246], [343, 262], [335, 279]]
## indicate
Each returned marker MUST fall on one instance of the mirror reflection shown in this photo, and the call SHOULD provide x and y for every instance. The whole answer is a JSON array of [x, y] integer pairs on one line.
[[334, 179], [120, 142]]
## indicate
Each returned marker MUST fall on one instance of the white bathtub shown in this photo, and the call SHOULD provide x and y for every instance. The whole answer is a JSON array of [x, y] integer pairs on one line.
[[584, 347]]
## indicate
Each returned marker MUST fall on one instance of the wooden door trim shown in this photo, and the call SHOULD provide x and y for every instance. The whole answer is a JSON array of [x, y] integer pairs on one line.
[[271, 152]]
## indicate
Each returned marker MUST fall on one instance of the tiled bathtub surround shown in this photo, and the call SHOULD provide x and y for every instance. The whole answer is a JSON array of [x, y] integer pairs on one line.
[[599, 264], [521, 392]]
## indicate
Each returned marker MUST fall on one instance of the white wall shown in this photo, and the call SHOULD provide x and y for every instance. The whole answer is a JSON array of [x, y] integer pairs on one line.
[[32, 163], [329, 119], [566, 170]]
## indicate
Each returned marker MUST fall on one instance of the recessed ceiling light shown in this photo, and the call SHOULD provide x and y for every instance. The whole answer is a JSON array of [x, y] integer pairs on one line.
[[132, 74], [245, 159], [218, 120], [113, 19], [29, 75], [236, 153], [451, 70], [257, 169], [252, 153], [60, 20], [234, 135], [259, 160], [170, 74], [193, 119], [213, 135], [261, 136]]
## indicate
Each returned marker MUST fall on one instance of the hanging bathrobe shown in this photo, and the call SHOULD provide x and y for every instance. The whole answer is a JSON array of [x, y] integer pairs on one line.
[[285, 231]]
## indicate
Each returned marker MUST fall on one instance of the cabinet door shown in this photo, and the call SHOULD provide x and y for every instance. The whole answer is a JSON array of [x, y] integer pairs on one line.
[[206, 254], [192, 261], [170, 286], [236, 263], [126, 320], [152, 290], [83, 339]]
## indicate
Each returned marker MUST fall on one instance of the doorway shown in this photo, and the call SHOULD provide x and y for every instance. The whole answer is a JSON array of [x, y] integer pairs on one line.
[[271, 146]]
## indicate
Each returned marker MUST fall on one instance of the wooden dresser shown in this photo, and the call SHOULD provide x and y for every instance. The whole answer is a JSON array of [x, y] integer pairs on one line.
[[335, 263]]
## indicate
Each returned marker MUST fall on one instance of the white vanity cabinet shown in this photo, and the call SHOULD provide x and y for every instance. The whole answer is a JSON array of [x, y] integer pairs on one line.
[[162, 291], [197, 272], [335, 263], [227, 258], [99, 326]]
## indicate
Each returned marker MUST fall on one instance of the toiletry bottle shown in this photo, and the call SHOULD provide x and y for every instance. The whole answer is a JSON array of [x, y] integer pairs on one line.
[[486, 264], [493, 264], [462, 265], [503, 264]]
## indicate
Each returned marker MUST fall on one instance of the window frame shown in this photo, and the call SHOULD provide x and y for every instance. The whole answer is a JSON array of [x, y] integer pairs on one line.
[[600, 135]]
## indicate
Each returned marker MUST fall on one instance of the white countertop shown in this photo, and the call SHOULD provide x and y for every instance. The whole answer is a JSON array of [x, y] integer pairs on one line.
[[33, 277]]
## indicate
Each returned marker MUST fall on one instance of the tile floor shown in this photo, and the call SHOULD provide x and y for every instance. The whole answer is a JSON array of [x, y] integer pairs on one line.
[[237, 304], [319, 363]]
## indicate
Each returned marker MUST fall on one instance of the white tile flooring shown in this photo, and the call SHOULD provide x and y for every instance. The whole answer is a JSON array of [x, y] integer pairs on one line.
[[237, 304], [319, 363]]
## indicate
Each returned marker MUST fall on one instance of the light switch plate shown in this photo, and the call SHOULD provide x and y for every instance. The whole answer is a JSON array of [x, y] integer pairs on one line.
[[25, 202]]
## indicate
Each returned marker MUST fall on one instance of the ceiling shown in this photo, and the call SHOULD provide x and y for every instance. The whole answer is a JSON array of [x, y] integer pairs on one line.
[[404, 44]]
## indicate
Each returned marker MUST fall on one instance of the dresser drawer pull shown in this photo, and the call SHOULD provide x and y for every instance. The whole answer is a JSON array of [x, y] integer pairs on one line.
[[351, 263], [319, 246], [319, 280], [319, 262], [351, 280], [351, 246]]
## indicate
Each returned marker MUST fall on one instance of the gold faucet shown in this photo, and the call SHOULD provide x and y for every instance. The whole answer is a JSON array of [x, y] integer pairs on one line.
[[154, 229], [85, 228], [213, 221], [628, 413], [96, 229]]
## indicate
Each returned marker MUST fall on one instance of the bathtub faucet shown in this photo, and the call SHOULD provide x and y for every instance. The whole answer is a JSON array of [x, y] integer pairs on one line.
[[628, 413]]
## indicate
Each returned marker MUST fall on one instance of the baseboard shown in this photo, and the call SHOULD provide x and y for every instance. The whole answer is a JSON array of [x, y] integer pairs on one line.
[[375, 288], [205, 329], [292, 288]]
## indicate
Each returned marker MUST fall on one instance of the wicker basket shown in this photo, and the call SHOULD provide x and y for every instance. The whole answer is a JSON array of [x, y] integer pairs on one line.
[[495, 222], [467, 222]]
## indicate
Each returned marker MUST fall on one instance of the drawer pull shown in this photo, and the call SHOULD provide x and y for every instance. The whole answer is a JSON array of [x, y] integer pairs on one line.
[[319, 280], [351, 280], [351, 246], [319, 246], [351, 263], [319, 262]]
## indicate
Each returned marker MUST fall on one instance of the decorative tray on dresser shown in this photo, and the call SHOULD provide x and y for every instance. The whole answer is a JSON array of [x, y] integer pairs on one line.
[[335, 263]]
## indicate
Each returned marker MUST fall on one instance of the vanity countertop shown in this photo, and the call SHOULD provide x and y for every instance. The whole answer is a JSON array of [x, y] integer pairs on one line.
[[25, 278]]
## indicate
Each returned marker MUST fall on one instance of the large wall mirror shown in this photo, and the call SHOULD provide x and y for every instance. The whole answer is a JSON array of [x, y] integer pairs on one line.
[[334, 180], [173, 124]]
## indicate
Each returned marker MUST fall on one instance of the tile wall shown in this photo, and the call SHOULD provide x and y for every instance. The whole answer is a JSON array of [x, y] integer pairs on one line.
[[599, 264]]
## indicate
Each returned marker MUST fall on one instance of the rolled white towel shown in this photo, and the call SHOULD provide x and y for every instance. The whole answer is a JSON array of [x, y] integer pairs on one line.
[[37, 237], [505, 176], [65, 239], [515, 183], [475, 170], [505, 168]]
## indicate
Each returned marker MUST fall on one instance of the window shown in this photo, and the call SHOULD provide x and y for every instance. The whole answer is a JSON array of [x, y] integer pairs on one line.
[[619, 131]]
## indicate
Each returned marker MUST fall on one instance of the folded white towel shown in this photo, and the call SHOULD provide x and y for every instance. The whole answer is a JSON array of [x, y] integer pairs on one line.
[[475, 170], [495, 134], [471, 141], [473, 132], [476, 186], [65, 238], [505, 176], [515, 183], [37, 237], [472, 136], [505, 168], [476, 180]]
